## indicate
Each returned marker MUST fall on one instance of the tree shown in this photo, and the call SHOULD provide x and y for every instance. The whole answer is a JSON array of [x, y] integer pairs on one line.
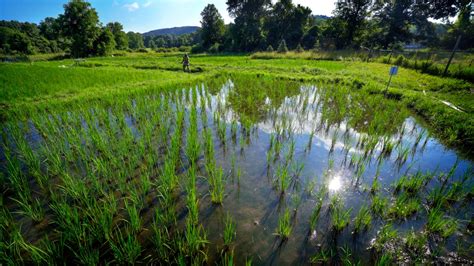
[[464, 27], [393, 17], [442, 9], [14, 41], [287, 21], [310, 37], [50, 28], [105, 43], [331, 36], [353, 13], [121, 40], [151, 44], [80, 23], [135, 40], [247, 30], [212, 26]]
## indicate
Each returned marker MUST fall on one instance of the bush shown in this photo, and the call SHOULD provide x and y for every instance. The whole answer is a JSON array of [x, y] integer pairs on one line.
[[270, 48], [186, 49], [197, 49], [282, 48], [214, 49], [142, 50], [399, 61], [299, 48]]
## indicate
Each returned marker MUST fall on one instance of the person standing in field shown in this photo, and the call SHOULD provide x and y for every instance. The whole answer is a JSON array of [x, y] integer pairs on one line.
[[185, 63]]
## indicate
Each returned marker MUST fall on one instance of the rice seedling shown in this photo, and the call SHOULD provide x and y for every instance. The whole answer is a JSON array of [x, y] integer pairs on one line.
[[227, 259], [19, 245], [296, 201], [384, 260], [233, 130], [216, 184], [133, 215], [29, 207], [379, 205], [282, 179], [340, 218], [385, 235], [439, 224], [416, 242], [161, 236], [404, 206], [195, 239], [221, 130], [229, 231], [403, 153], [316, 213], [125, 247], [193, 145], [208, 144], [375, 186], [363, 219], [412, 184], [191, 198], [323, 256], [347, 258], [284, 226]]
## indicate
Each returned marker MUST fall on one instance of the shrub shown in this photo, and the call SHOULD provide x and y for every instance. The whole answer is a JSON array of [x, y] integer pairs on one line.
[[282, 48], [270, 48], [399, 61], [197, 49], [299, 49], [214, 49]]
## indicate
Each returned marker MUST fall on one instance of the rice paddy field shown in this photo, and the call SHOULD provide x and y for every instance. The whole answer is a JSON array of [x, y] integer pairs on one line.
[[245, 161]]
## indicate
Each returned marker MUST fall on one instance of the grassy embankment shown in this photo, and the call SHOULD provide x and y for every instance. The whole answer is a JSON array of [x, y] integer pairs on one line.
[[26, 86]]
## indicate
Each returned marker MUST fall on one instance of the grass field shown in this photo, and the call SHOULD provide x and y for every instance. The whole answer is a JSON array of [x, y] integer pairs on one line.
[[245, 160]]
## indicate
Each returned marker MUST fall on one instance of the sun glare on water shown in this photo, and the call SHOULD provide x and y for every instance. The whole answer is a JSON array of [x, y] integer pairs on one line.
[[335, 184]]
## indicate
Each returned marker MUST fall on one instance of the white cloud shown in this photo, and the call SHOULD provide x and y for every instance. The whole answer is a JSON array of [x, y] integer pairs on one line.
[[147, 4], [132, 7]]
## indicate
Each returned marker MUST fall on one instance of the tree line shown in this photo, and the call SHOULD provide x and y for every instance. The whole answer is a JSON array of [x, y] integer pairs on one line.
[[383, 24], [77, 31], [258, 25]]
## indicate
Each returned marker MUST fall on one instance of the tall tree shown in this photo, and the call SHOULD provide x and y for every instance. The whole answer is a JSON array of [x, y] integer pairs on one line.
[[212, 26], [442, 9], [105, 43], [393, 17], [80, 23], [311, 37], [247, 30], [464, 27], [49, 28], [120, 37], [353, 13], [135, 40], [287, 21]]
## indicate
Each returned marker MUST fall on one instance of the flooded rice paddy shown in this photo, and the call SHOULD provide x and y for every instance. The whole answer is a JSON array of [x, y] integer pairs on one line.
[[244, 170]]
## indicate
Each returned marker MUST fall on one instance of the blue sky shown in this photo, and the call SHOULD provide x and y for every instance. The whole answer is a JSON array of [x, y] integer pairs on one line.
[[136, 15]]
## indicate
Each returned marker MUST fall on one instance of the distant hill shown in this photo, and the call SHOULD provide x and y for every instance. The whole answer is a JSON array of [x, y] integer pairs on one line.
[[319, 19], [172, 31]]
